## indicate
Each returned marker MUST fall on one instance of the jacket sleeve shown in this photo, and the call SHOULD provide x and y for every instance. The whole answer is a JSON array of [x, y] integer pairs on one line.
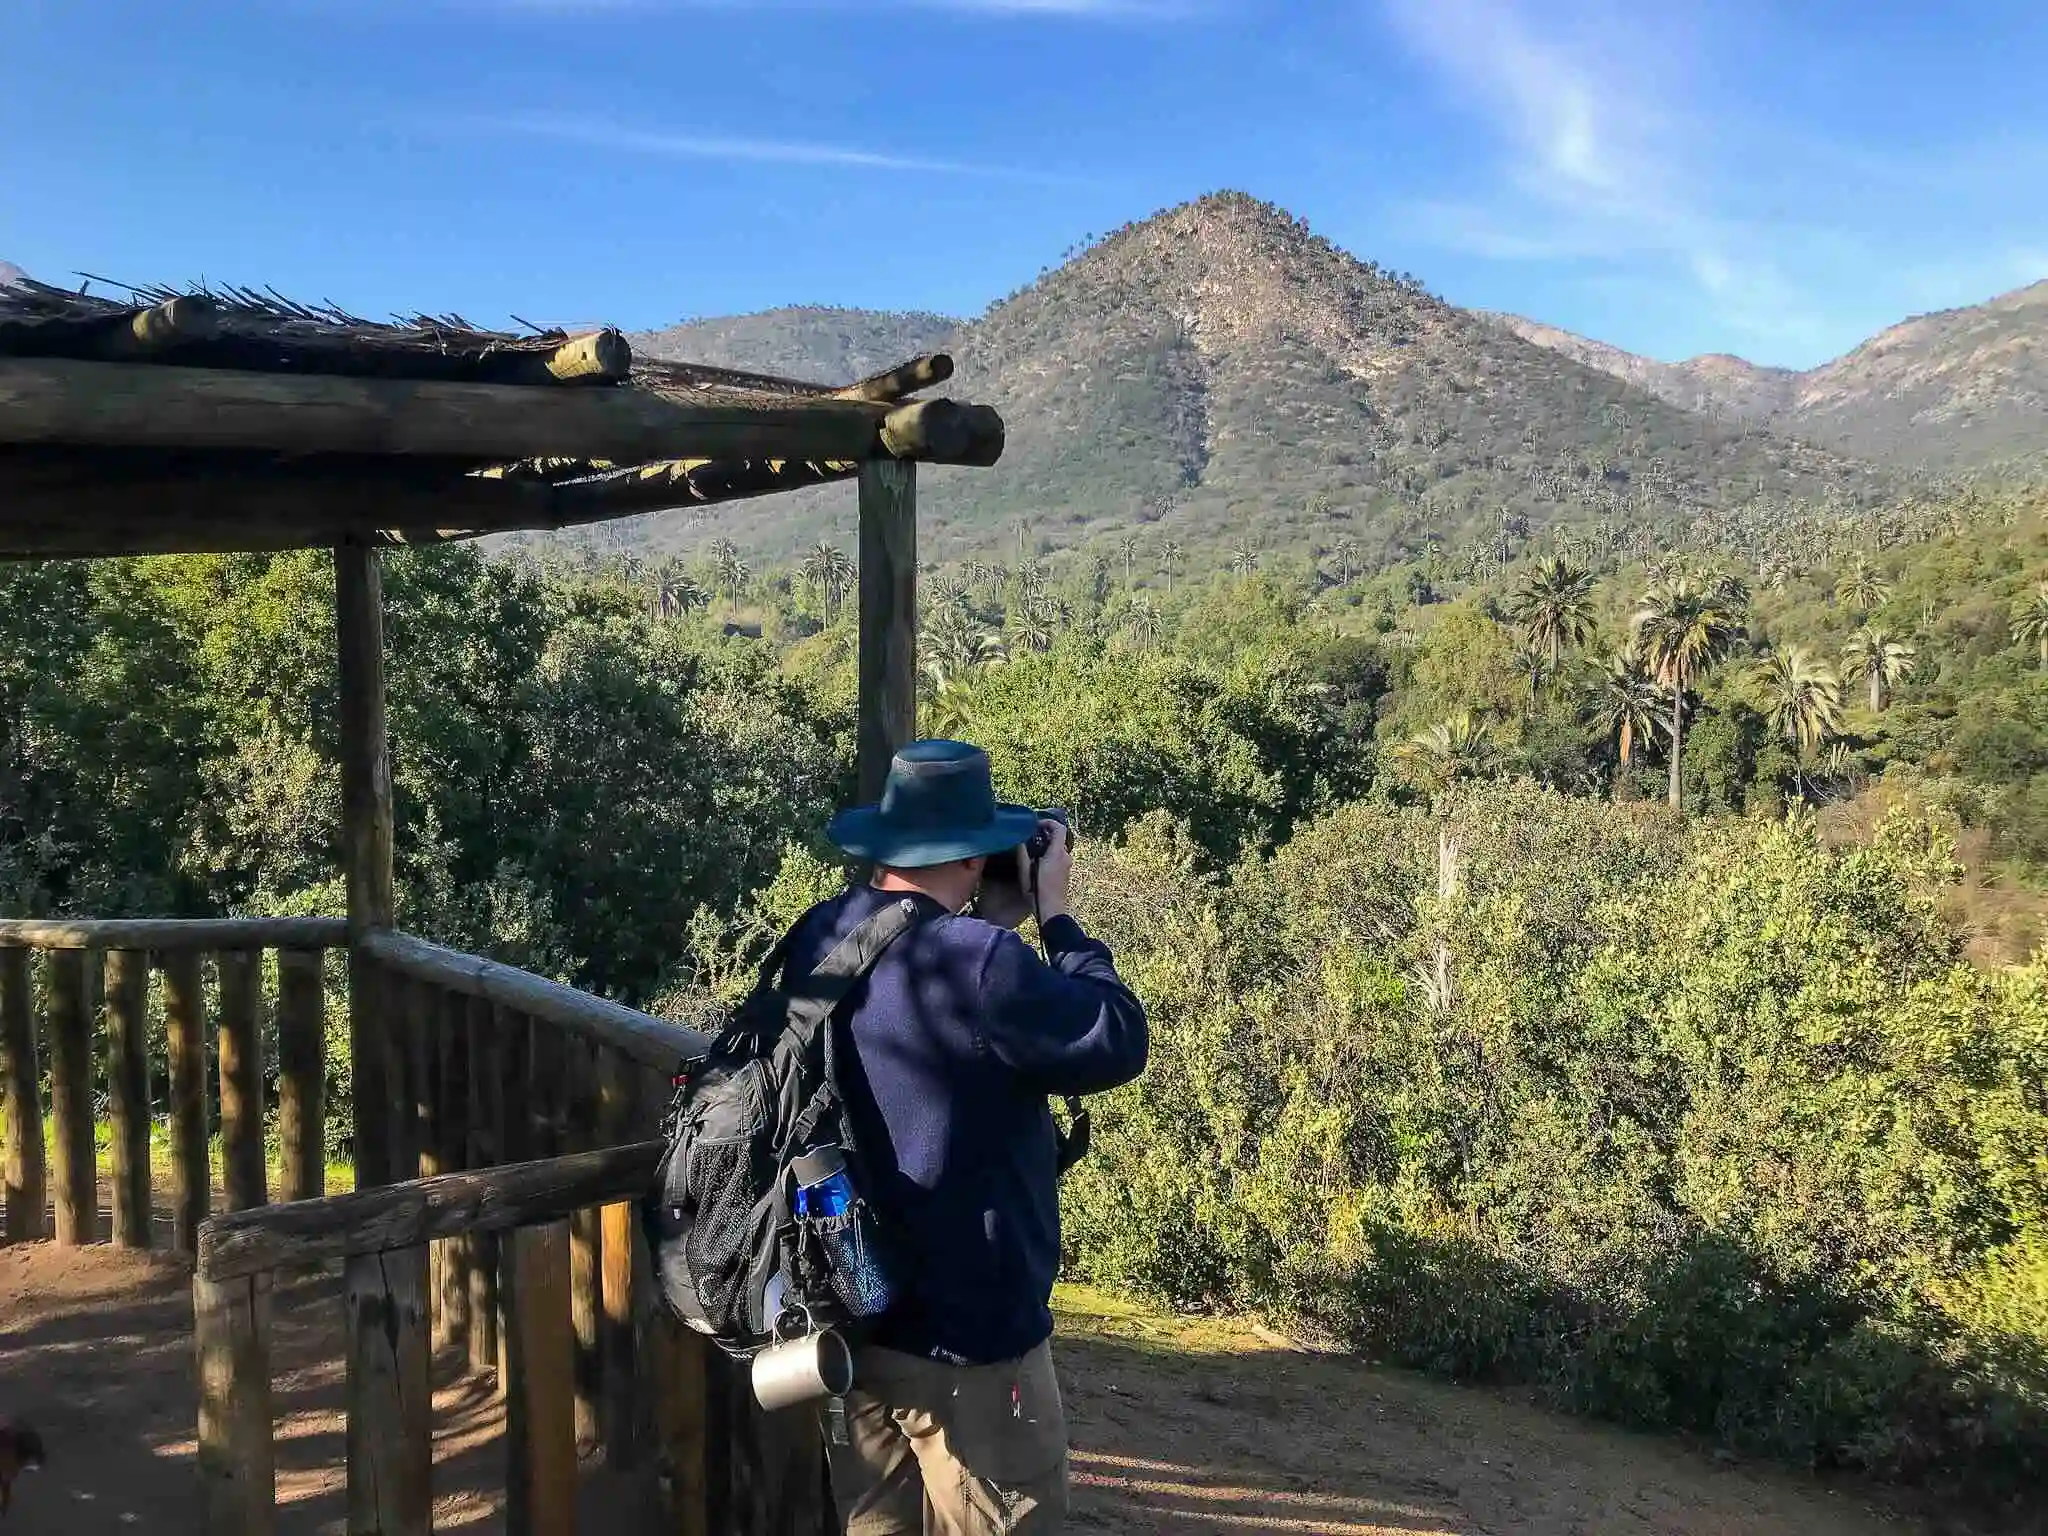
[[1070, 1027]]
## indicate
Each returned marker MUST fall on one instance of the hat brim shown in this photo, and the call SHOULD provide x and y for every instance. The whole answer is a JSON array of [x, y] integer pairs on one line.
[[862, 833]]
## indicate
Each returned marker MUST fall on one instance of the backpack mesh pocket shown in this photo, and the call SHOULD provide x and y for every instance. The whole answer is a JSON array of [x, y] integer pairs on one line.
[[853, 1260]]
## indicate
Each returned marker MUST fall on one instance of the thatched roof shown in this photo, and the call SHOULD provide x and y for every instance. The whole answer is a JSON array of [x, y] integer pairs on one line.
[[224, 418]]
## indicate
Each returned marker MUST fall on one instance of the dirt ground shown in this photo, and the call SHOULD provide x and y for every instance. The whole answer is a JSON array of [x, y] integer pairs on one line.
[[1178, 1426]]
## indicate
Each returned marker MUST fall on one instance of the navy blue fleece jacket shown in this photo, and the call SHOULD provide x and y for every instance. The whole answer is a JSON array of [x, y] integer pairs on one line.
[[960, 1034]]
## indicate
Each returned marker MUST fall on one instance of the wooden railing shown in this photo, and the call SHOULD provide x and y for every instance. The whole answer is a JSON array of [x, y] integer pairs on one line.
[[382, 1238], [501, 1137], [475, 1065], [87, 962]]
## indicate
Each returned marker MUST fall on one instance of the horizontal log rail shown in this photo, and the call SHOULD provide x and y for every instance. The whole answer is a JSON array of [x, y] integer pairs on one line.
[[423, 1211], [645, 1039], [164, 934]]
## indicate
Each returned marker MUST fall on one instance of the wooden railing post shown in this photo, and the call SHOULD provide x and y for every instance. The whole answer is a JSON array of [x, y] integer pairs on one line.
[[301, 1074], [586, 1242], [21, 1097], [486, 1150], [185, 1038], [128, 1092], [540, 1425], [390, 1395], [515, 1145], [616, 1080], [453, 1116], [241, 1079], [237, 1464], [686, 1396], [71, 1062]]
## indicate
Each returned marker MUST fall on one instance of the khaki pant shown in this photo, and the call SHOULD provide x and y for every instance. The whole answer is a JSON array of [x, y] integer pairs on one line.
[[951, 1450]]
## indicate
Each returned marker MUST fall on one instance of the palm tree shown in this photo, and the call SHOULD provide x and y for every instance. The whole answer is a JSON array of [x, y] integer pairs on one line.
[[1127, 551], [1873, 655], [727, 566], [677, 593], [828, 569], [1802, 696], [1532, 661], [2030, 620], [1170, 554], [1141, 620], [1458, 748], [1628, 704], [952, 643], [1032, 625], [1345, 553], [1682, 631], [1555, 607], [1244, 560], [1862, 586]]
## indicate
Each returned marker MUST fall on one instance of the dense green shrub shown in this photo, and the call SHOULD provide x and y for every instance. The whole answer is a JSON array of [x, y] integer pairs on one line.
[[1697, 1127]]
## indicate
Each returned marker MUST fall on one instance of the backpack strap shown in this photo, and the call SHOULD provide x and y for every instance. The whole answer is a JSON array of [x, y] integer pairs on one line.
[[812, 1000]]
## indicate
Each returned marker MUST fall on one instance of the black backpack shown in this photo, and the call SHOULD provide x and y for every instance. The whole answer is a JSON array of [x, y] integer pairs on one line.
[[720, 1219]]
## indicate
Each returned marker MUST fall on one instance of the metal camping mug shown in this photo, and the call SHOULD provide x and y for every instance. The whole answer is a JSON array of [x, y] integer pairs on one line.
[[803, 1370]]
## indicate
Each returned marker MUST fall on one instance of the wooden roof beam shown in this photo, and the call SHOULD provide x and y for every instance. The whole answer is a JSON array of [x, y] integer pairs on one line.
[[61, 400]]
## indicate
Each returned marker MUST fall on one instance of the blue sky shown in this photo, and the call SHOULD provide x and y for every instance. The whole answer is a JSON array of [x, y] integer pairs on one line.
[[1777, 180]]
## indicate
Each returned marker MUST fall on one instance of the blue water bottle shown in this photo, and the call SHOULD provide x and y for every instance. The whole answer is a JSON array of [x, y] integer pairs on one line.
[[844, 1228], [822, 1187]]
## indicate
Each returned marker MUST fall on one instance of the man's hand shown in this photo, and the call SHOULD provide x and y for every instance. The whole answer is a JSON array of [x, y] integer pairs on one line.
[[1055, 872], [1003, 902]]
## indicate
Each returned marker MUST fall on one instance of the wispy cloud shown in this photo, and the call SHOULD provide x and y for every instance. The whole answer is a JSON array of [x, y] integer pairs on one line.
[[1597, 155], [619, 138]]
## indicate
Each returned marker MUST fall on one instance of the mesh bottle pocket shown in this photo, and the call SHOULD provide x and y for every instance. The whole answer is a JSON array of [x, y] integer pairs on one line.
[[853, 1260]]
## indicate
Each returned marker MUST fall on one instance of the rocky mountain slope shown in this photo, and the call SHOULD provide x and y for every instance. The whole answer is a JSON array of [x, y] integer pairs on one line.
[[1220, 370], [1961, 389], [1715, 383], [10, 273], [831, 346]]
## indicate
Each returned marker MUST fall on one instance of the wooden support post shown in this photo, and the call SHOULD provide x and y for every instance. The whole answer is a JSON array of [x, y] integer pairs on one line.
[[390, 1396], [540, 1425], [71, 1061], [240, 1043], [514, 1033], [616, 1078], [486, 1116], [453, 1087], [302, 1074], [887, 716], [681, 1378], [128, 1092], [237, 1461], [185, 1037], [586, 1241], [21, 1100], [366, 841]]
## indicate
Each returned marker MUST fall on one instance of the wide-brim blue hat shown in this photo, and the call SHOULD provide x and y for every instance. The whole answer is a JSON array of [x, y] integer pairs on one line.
[[939, 804]]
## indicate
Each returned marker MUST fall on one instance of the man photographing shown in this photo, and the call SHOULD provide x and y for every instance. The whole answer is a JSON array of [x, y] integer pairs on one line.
[[960, 1034]]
